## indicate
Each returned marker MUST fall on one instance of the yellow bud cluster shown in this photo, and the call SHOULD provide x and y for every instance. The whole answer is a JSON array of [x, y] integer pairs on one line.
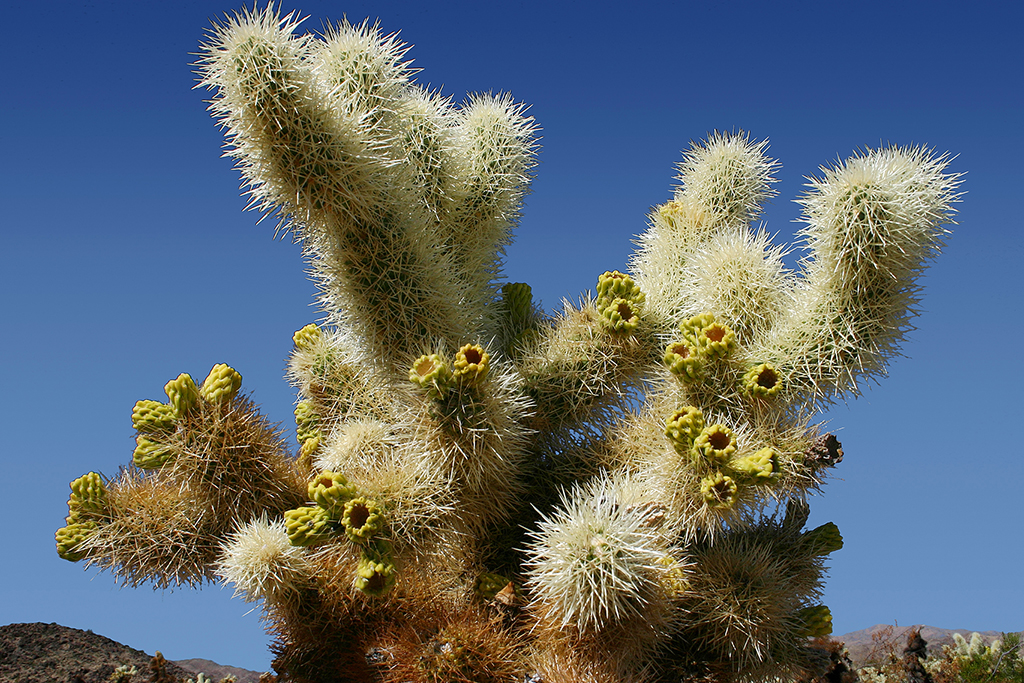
[[331, 491], [153, 417], [307, 422], [683, 427], [363, 519], [88, 495], [816, 621], [307, 525], [715, 445], [719, 490], [758, 468], [471, 365], [307, 337], [182, 393], [149, 454], [762, 381], [221, 385], [432, 374], [376, 572], [619, 302], [70, 537]]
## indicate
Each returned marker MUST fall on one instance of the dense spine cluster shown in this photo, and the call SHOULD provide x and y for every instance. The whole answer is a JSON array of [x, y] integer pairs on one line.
[[483, 492]]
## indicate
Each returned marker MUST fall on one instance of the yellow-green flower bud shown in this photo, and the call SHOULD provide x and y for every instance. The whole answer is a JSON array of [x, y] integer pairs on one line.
[[331, 490], [183, 394], [691, 329], [471, 364], [715, 445], [88, 495], [153, 417], [612, 285], [759, 468], [307, 337], [363, 519], [684, 361], [620, 316], [307, 525], [149, 454], [673, 576], [823, 540], [719, 490], [815, 622], [518, 300], [762, 381], [68, 539], [716, 340], [306, 452], [221, 385], [432, 374], [376, 572], [683, 427], [488, 585], [307, 422]]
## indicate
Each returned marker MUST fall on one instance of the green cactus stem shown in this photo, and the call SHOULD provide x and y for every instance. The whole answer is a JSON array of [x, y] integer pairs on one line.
[[719, 490], [714, 446], [376, 572], [432, 374], [70, 537], [471, 365], [308, 525], [762, 381], [149, 454], [153, 417], [823, 540], [363, 519], [488, 585], [816, 622], [684, 427], [182, 393], [518, 300], [684, 360], [761, 467], [88, 495], [307, 337], [221, 385], [331, 491], [307, 422]]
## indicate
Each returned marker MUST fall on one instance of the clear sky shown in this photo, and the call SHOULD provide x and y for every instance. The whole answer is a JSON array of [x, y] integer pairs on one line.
[[127, 258]]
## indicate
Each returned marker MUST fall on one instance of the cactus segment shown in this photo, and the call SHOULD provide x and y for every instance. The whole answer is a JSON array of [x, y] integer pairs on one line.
[[307, 337], [692, 328], [69, 537], [149, 454], [673, 576], [715, 445], [760, 468], [816, 621], [363, 519], [432, 374], [153, 417], [684, 427], [762, 381], [88, 495], [308, 525], [471, 365], [182, 393], [221, 385], [307, 422], [719, 490], [331, 491], [824, 539], [684, 360], [518, 300], [376, 572], [307, 450]]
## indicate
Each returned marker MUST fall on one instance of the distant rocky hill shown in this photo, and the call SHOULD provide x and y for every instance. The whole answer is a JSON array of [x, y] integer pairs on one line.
[[51, 653], [873, 643]]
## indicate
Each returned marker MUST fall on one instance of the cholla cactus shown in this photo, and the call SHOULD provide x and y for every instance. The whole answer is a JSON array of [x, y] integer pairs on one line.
[[482, 491]]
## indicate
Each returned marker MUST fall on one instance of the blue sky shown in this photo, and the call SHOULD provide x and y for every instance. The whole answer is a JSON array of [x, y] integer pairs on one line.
[[127, 258]]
